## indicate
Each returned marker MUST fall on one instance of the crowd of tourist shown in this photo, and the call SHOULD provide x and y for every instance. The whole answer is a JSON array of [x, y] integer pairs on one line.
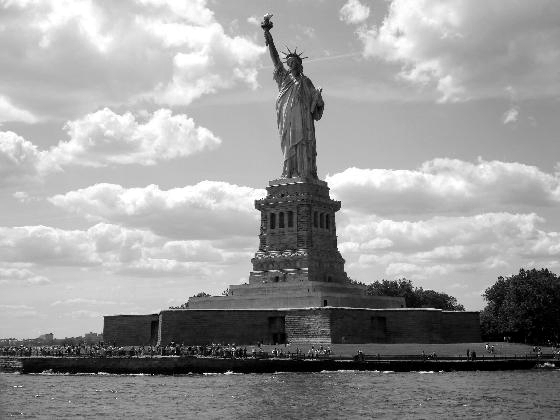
[[555, 351], [490, 348], [97, 350], [430, 356], [172, 349], [212, 350]]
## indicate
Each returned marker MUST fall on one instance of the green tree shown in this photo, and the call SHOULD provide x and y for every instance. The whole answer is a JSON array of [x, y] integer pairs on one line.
[[202, 294], [433, 299], [186, 304], [524, 306], [415, 297]]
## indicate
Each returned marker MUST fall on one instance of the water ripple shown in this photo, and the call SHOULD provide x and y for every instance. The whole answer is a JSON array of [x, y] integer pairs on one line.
[[338, 394]]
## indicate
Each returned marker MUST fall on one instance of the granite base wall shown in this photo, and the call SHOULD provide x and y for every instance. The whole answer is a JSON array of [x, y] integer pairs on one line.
[[130, 330], [461, 327], [318, 325], [387, 326], [199, 327], [404, 326]]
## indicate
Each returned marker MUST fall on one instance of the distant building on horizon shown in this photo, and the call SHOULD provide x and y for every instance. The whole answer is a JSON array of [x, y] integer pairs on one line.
[[93, 338], [46, 338]]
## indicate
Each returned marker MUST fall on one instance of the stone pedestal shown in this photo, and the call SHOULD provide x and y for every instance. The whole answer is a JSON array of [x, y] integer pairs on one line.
[[297, 234]]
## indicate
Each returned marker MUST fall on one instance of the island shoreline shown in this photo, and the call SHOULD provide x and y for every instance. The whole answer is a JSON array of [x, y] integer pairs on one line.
[[179, 365]]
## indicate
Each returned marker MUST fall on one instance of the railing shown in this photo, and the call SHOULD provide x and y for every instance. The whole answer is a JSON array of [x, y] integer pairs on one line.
[[129, 352], [483, 357]]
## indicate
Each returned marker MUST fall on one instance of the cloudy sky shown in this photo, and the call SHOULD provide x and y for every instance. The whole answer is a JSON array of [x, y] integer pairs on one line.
[[135, 136]]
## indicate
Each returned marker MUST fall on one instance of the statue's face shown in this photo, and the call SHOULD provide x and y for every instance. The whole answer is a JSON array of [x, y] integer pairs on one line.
[[294, 65]]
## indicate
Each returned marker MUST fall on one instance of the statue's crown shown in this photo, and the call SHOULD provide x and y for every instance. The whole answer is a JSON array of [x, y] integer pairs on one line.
[[294, 54]]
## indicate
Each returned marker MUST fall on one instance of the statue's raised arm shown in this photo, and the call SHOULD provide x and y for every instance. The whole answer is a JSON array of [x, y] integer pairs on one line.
[[298, 105], [266, 24]]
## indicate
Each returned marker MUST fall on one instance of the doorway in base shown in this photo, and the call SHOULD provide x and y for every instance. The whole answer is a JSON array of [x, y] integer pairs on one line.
[[277, 329]]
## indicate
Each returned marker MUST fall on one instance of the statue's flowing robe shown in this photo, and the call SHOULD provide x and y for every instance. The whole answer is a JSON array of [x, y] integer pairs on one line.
[[296, 108]]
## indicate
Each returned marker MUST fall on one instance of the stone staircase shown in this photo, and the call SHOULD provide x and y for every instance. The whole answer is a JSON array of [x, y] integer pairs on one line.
[[305, 328]]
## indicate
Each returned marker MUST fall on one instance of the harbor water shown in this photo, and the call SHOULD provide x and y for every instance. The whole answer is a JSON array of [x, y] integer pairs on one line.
[[533, 394]]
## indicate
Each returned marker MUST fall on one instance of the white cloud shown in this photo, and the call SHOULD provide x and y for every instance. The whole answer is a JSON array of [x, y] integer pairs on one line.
[[18, 311], [443, 245], [510, 116], [253, 20], [48, 246], [446, 185], [184, 251], [309, 31], [207, 210], [83, 13], [212, 225], [86, 301], [9, 112], [14, 307], [417, 272], [18, 275], [353, 12], [104, 138], [63, 58], [153, 267], [232, 59], [429, 234], [110, 247], [466, 49], [20, 160], [21, 196], [85, 313]]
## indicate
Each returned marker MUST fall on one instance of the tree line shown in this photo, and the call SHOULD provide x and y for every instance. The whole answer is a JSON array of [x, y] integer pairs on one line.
[[414, 297], [524, 307]]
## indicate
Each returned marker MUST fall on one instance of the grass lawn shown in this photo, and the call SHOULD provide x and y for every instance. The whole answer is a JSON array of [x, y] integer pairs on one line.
[[454, 349]]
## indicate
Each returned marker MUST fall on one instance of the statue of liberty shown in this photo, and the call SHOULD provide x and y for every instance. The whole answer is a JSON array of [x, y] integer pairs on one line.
[[298, 105]]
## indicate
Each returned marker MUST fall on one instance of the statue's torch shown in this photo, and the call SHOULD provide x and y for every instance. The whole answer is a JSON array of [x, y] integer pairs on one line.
[[266, 24]]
